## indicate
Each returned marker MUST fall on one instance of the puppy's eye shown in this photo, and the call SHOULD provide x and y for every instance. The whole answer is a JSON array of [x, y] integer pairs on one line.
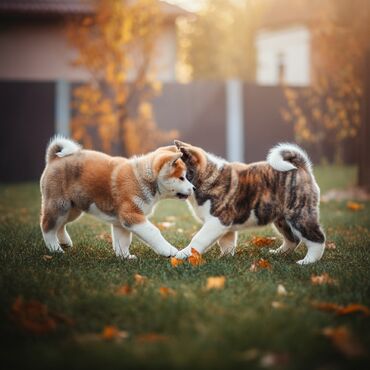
[[182, 178]]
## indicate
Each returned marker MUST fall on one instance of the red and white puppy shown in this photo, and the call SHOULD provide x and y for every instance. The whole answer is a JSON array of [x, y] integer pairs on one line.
[[120, 191]]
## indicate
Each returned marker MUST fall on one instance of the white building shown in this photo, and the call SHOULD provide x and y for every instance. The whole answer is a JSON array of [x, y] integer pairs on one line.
[[284, 56]]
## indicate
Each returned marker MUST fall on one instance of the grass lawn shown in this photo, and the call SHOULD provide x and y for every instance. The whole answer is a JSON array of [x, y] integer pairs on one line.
[[245, 325]]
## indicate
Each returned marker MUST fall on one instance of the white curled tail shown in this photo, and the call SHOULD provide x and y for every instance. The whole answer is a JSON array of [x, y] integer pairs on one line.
[[285, 157], [61, 147]]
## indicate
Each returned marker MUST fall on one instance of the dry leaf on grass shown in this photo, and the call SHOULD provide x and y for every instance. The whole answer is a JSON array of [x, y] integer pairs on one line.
[[196, 258], [263, 241], [46, 257], [105, 236], [140, 279], [151, 338], [281, 290], [111, 332], [35, 317], [354, 206], [166, 292], [322, 279], [165, 225], [342, 310], [330, 245], [176, 261], [260, 264], [124, 290], [271, 359], [215, 282], [344, 341], [277, 304]]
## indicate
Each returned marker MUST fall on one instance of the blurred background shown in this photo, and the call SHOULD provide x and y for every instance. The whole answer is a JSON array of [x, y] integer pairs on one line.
[[232, 76]]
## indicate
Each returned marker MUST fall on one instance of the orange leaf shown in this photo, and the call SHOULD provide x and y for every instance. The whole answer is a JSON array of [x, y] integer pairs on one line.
[[176, 261], [124, 290], [326, 306], [111, 332], [262, 241], [196, 258], [151, 337], [32, 316], [330, 245], [353, 308], [105, 236], [166, 292], [322, 279], [344, 341], [260, 264], [215, 282], [354, 206], [139, 279]]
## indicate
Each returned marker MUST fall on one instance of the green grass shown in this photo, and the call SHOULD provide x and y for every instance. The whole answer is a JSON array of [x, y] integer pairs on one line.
[[231, 328]]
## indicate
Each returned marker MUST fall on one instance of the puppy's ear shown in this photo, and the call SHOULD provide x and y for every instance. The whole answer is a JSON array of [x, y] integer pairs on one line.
[[166, 157], [180, 144]]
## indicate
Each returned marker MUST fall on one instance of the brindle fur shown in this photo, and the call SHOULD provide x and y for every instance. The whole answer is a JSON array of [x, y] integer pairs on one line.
[[236, 189]]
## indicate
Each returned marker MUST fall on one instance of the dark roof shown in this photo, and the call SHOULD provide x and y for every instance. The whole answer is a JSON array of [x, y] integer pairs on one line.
[[68, 7]]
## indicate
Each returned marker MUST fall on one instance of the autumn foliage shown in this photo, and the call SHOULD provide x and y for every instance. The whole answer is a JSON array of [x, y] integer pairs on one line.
[[329, 111], [117, 45]]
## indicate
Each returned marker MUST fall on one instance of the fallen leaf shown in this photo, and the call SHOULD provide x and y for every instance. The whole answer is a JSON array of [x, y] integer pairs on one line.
[[196, 258], [35, 317], [260, 264], [151, 338], [344, 341], [330, 245], [281, 290], [354, 206], [124, 290], [165, 225], [105, 236], [180, 230], [322, 279], [176, 261], [342, 310], [215, 282], [263, 241], [274, 359], [111, 332], [140, 279], [166, 292], [277, 304], [354, 308], [46, 257]]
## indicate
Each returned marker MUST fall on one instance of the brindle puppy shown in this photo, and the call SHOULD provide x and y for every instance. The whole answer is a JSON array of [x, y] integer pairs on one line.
[[233, 196]]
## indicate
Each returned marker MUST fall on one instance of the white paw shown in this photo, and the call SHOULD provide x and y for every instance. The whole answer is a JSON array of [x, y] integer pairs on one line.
[[55, 248], [184, 253], [306, 261], [173, 252]]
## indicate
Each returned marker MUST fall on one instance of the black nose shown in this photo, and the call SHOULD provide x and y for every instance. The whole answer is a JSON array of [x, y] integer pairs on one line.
[[194, 188]]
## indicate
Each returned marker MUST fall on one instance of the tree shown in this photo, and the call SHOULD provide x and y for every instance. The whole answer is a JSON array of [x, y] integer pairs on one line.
[[117, 45], [219, 42], [329, 111]]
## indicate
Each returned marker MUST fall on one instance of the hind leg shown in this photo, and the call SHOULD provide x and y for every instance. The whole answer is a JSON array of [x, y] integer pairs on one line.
[[227, 243], [290, 239], [62, 234], [313, 236], [121, 239]]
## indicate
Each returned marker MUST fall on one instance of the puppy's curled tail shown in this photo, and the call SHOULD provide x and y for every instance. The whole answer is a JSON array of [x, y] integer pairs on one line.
[[61, 147], [285, 157]]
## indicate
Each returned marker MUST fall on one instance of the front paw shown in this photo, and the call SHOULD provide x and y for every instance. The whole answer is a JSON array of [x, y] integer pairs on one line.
[[173, 252], [184, 253]]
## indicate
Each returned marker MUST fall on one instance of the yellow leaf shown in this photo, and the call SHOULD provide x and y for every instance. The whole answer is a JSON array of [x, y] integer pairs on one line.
[[215, 282], [139, 279], [322, 279]]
